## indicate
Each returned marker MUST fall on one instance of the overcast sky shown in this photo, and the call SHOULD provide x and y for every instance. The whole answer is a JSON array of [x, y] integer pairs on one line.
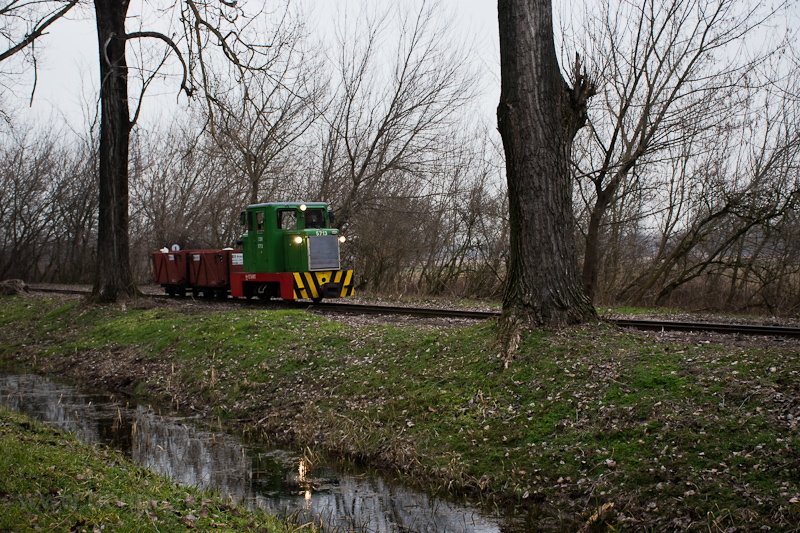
[[68, 58], [68, 63]]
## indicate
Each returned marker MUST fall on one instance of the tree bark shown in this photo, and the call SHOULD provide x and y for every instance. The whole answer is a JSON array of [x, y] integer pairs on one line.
[[538, 117], [113, 277]]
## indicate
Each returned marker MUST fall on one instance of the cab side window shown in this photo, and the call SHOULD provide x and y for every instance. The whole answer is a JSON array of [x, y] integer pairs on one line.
[[260, 221], [287, 219]]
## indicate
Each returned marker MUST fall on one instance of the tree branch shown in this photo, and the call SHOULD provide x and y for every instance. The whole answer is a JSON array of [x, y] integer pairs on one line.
[[583, 88], [37, 32], [156, 35]]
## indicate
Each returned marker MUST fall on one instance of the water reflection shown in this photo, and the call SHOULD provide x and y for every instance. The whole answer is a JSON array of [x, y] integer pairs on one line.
[[279, 480]]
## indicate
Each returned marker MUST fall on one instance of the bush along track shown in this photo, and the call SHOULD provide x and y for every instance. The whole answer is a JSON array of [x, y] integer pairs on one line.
[[49, 481], [590, 427]]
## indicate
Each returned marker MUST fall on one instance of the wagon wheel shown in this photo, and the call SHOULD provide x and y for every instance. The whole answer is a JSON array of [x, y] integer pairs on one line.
[[317, 300]]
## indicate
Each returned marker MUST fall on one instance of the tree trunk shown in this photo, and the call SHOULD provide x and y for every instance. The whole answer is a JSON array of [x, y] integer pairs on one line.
[[538, 117], [254, 191], [113, 277], [592, 250]]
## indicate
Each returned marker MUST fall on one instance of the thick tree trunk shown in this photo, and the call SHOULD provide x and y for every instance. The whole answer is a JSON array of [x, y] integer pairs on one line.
[[538, 117], [113, 277]]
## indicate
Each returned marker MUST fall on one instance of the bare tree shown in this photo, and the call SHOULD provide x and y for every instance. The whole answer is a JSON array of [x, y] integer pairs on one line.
[[113, 261], [26, 175], [745, 183], [72, 254], [47, 206], [390, 109], [538, 117], [388, 264], [466, 237], [665, 71], [271, 107], [182, 192], [22, 22]]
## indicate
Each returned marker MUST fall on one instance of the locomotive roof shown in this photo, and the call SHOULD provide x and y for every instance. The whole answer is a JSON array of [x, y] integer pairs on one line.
[[288, 204]]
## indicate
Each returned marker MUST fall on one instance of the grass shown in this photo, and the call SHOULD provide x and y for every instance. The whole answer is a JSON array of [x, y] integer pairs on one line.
[[49, 481], [653, 433]]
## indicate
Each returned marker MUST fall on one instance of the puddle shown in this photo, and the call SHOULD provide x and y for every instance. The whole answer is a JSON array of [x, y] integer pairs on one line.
[[193, 453]]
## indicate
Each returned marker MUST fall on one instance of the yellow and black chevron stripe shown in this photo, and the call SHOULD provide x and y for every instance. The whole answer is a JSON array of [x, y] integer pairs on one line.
[[312, 284]]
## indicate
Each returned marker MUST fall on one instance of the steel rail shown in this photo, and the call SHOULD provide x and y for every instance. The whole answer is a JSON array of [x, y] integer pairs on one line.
[[737, 329], [646, 325], [58, 291], [399, 310]]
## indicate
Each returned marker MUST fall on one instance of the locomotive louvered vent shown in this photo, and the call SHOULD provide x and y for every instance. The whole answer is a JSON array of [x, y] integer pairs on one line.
[[323, 252]]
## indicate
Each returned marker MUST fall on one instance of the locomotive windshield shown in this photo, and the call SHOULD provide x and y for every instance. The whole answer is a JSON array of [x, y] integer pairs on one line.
[[315, 218]]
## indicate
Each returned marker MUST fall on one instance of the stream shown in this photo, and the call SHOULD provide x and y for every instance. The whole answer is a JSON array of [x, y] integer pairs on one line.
[[193, 452]]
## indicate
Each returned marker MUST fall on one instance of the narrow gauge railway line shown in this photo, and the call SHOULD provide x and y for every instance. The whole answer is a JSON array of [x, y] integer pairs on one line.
[[425, 312], [647, 325], [739, 329], [34, 288]]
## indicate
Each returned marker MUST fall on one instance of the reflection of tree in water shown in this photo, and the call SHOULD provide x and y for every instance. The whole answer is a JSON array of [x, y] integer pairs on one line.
[[59, 405], [191, 456], [374, 504], [278, 480]]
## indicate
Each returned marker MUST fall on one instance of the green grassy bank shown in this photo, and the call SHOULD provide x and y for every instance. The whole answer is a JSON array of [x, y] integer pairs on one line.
[[49, 481], [589, 426]]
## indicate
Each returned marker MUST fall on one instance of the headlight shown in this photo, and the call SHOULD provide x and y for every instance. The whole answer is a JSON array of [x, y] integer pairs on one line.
[[298, 239], [342, 238], [303, 207]]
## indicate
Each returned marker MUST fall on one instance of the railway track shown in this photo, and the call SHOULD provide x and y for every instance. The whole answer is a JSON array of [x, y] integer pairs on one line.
[[423, 312], [648, 325], [399, 310], [737, 329]]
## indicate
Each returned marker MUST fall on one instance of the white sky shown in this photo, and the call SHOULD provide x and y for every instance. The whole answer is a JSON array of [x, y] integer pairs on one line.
[[68, 60], [68, 65]]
